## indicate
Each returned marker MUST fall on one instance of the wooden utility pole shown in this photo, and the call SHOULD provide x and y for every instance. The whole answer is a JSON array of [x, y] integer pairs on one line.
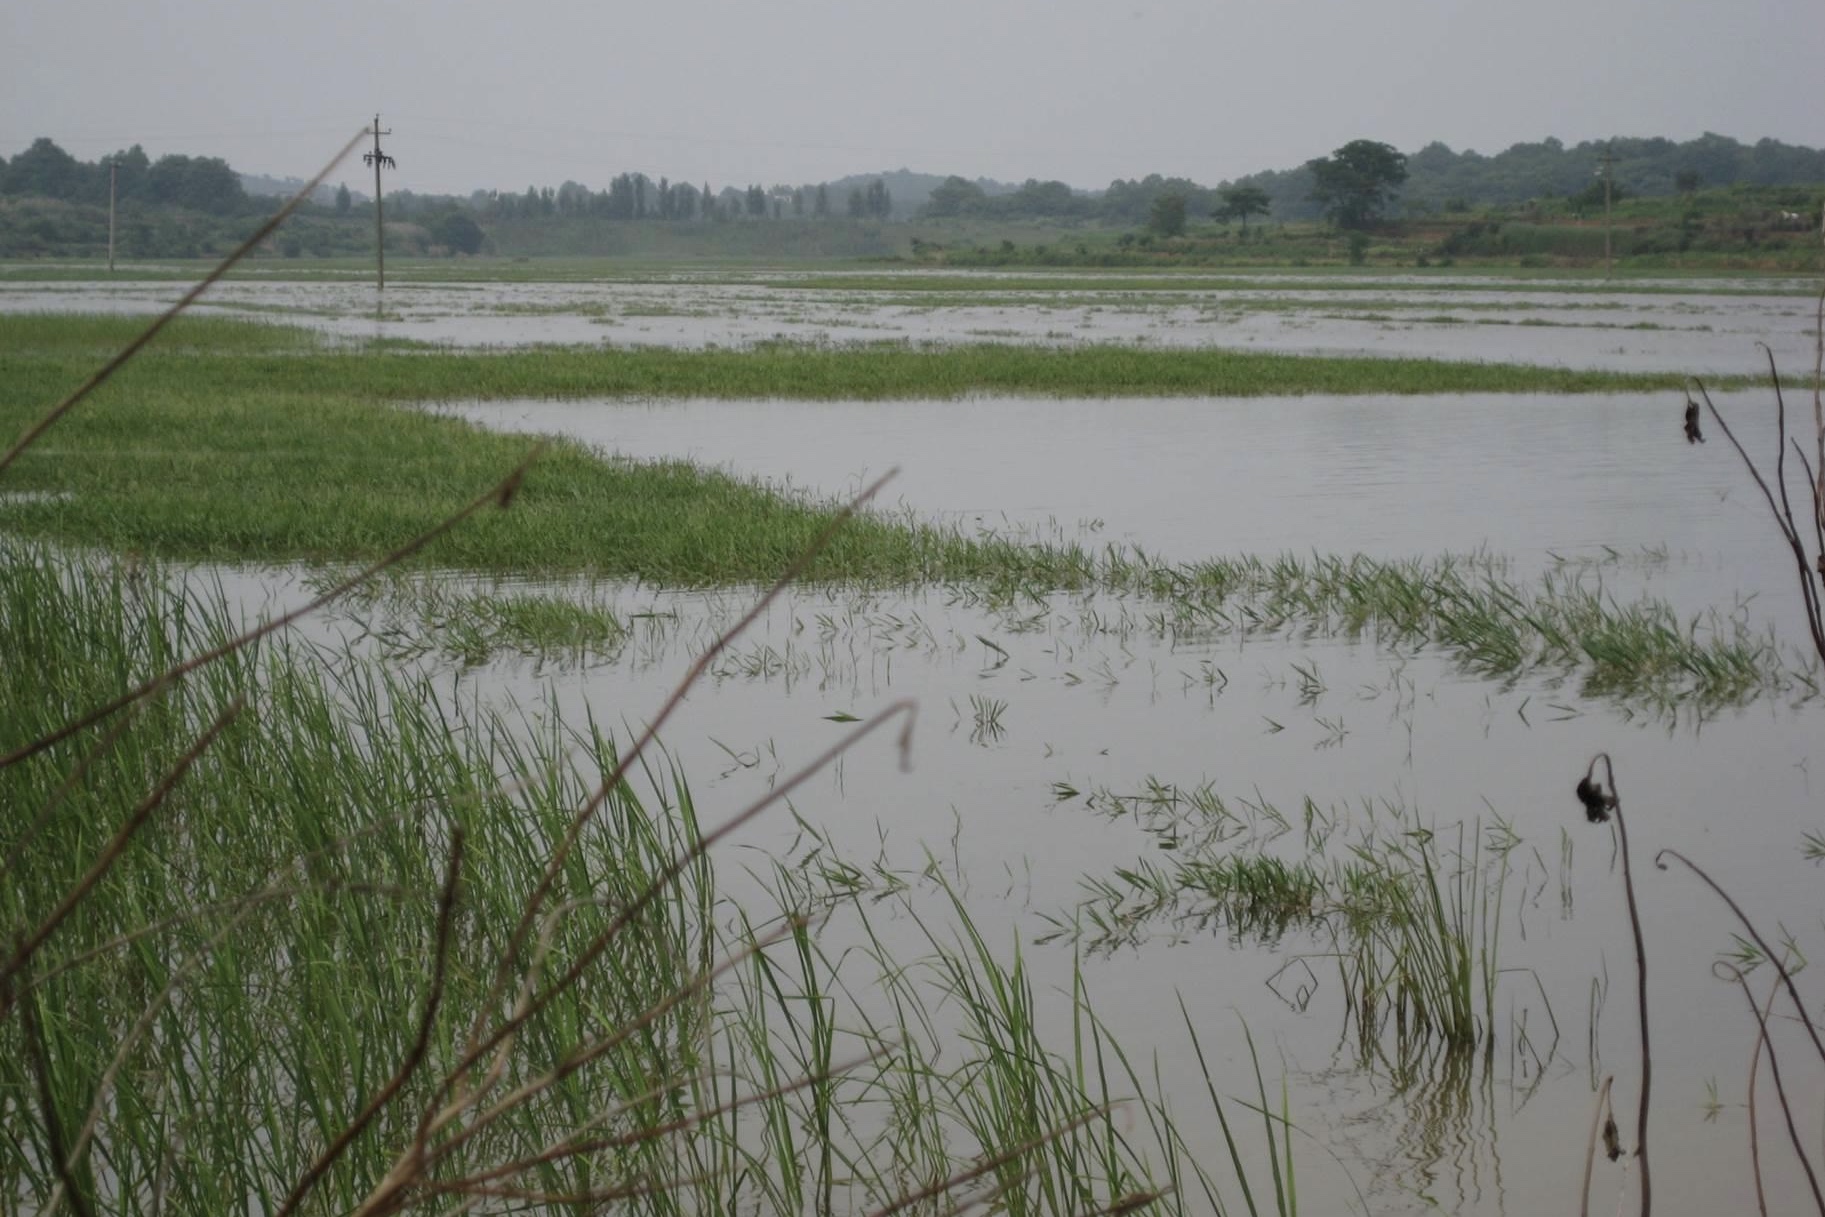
[[377, 158], [113, 175], [1609, 173]]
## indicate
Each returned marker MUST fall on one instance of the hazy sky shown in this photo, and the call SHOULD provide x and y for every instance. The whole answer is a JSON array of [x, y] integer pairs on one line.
[[509, 93]]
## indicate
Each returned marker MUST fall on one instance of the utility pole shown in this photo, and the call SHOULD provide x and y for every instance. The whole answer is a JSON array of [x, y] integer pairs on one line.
[[1609, 174], [113, 175], [377, 158]]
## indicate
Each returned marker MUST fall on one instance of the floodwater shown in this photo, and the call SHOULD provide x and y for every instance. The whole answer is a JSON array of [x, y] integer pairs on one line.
[[1020, 703], [1041, 719], [1707, 327]]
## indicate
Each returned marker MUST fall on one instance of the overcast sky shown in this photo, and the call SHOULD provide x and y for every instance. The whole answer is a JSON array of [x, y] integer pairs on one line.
[[511, 93]]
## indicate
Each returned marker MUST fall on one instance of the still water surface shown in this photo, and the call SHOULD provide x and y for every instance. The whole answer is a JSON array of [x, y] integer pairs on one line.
[[1093, 700]]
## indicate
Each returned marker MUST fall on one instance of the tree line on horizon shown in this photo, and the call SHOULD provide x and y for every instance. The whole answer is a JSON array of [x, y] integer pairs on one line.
[[1433, 179]]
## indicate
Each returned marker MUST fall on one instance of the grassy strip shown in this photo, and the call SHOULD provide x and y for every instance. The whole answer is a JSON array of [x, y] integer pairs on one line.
[[42, 353], [236, 441]]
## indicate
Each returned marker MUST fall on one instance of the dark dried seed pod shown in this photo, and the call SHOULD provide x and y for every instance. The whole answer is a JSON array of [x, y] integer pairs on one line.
[[1597, 804]]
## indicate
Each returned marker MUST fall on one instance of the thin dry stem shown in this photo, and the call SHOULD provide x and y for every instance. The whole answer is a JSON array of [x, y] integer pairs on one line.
[[989, 1165], [584, 1054], [572, 1147], [1755, 936], [1726, 970], [1641, 979], [1809, 591], [1590, 1146], [65, 789], [486, 1044], [1755, 1069], [143, 1024]]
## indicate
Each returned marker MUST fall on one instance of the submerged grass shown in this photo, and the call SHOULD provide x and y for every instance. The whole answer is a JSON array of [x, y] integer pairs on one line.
[[1469, 608], [1413, 927]]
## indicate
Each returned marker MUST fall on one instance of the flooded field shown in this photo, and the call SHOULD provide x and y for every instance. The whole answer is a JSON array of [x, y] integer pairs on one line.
[[1089, 771], [1708, 327], [1071, 750]]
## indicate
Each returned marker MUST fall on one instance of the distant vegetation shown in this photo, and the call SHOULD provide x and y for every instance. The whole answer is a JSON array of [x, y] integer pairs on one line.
[[1712, 200]]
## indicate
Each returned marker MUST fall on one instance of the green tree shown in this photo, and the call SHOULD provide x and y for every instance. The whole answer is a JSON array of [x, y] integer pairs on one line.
[[1357, 181], [1167, 218], [878, 202], [956, 197], [44, 170], [1240, 202], [458, 232], [344, 203]]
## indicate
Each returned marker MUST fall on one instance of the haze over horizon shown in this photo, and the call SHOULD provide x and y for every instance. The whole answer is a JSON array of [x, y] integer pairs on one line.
[[482, 96]]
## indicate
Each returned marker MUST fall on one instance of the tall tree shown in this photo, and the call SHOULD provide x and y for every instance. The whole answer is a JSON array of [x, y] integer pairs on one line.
[[1240, 202], [1357, 181], [1168, 215], [957, 196]]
